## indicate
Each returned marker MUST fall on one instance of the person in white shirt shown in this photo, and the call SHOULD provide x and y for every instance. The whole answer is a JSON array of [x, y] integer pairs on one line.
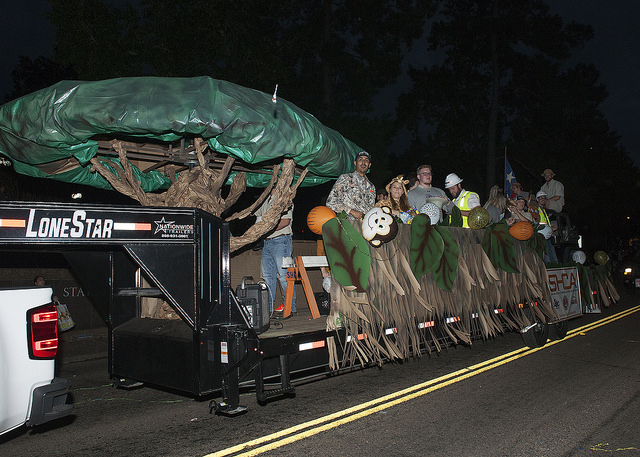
[[463, 199], [554, 190]]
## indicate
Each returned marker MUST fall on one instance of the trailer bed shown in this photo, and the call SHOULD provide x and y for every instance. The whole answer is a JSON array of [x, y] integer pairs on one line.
[[300, 323]]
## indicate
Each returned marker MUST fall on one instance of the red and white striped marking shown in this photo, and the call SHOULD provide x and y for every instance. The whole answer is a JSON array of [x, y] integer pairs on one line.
[[132, 226], [312, 345]]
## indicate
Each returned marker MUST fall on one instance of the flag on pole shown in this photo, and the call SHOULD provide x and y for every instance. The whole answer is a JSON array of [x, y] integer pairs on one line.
[[509, 177]]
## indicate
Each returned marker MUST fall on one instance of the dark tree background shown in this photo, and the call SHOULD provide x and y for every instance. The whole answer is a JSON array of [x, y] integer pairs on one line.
[[503, 85], [495, 78]]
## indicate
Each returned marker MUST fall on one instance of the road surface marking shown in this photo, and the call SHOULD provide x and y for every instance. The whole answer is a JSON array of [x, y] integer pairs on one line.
[[322, 424]]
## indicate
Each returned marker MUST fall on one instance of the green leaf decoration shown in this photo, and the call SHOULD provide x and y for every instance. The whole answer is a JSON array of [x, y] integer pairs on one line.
[[585, 286], [498, 244], [455, 220], [426, 246], [447, 268], [592, 275], [347, 253], [538, 244], [600, 272]]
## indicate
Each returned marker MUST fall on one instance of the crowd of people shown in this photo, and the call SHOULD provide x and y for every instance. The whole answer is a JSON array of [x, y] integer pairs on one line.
[[354, 194]]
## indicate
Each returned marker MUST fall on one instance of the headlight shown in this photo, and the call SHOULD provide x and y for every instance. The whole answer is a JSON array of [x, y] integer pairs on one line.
[[627, 271]]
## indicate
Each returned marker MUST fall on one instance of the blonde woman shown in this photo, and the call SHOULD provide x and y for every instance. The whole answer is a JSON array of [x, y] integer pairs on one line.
[[397, 199], [496, 204]]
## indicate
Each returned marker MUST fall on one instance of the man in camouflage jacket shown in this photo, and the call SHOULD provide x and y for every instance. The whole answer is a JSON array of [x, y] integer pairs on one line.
[[353, 193]]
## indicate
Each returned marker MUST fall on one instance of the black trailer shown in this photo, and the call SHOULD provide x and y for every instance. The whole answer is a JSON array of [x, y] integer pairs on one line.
[[124, 254], [220, 342]]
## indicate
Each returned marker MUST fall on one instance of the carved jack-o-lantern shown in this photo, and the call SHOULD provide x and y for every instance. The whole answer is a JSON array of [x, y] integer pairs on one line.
[[379, 226]]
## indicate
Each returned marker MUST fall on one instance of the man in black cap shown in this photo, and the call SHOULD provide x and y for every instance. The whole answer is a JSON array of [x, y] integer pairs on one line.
[[353, 193], [520, 211]]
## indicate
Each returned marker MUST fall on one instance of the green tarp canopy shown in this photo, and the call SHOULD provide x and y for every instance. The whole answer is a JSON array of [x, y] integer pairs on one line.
[[54, 132]]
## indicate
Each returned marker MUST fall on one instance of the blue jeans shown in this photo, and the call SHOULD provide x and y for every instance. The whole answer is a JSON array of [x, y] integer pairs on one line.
[[550, 253], [272, 253]]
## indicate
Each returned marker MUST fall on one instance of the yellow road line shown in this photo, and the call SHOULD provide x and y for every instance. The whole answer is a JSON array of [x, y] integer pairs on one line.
[[603, 321], [322, 424]]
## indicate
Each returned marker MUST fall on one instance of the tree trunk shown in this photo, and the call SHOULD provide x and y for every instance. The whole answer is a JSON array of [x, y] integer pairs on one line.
[[200, 187]]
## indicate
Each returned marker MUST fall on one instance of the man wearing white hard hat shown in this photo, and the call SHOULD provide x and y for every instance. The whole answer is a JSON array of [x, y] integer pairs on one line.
[[543, 201], [463, 199], [547, 229]]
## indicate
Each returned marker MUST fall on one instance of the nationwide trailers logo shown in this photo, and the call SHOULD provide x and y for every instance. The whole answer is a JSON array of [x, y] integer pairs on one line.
[[169, 229]]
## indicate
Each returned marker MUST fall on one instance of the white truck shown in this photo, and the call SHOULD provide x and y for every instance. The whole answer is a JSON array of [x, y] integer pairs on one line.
[[30, 394]]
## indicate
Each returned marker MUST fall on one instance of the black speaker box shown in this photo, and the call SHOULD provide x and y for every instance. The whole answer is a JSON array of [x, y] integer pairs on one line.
[[255, 300]]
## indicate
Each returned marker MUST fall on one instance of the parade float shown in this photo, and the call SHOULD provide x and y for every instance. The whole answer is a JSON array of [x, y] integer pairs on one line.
[[186, 149], [434, 283]]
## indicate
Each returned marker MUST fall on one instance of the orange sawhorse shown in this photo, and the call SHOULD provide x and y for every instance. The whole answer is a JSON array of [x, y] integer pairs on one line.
[[299, 273]]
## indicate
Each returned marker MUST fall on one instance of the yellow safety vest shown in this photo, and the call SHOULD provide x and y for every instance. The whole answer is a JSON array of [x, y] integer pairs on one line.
[[544, 217], [463, 205]]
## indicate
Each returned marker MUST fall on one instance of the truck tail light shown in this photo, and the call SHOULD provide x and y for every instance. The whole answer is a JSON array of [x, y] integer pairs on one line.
[[43, 332]]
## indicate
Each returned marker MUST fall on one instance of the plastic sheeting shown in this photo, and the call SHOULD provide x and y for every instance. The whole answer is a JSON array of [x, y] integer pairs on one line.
[[45, 132]]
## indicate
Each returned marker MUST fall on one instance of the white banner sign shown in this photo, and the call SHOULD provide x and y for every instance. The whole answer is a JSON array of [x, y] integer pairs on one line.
[[564, 285]]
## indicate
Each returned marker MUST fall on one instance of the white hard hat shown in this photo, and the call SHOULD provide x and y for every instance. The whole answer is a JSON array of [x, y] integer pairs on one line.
[[541, 193], [452, 180]]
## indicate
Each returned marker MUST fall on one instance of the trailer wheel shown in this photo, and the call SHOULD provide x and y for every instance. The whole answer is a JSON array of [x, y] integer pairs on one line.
[[558, 330], [536, 336]]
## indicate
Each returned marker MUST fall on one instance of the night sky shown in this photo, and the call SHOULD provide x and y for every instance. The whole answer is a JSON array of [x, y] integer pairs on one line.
[[615, 50]]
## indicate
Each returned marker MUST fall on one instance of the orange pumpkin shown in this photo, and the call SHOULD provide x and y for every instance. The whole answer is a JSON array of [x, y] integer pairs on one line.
[[521, 230], [317, 217]]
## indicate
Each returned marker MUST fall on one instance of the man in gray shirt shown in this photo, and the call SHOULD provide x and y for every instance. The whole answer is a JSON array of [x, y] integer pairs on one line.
[[424, 189]]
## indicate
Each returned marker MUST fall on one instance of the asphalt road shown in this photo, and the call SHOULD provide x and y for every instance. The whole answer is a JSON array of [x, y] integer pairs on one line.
[[579, 396]]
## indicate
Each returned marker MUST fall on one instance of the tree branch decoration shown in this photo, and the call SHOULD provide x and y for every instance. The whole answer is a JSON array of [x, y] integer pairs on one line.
[[201, 187]]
